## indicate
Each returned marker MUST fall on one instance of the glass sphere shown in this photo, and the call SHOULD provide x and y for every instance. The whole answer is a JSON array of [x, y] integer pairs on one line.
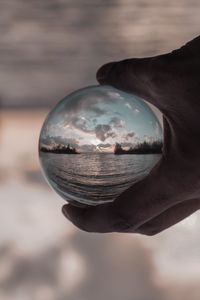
[[97, 142]]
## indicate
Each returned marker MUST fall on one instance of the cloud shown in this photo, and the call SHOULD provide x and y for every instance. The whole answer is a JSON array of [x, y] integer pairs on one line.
[[115, 96], [111, 134], [92, 101], [128, 105], [87, 102], [104, 145], [88, 148], [136, 111], [129, 135], [117, 122], [98, 111], [126, 144], [148, 139], [49, 141], [80, 123], [104, 131]]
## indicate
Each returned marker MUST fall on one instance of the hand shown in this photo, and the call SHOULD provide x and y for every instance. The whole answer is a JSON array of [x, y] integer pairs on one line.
[[171, 191]]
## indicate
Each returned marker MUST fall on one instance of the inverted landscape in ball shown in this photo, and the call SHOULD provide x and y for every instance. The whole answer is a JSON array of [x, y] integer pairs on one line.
[[97, 142]]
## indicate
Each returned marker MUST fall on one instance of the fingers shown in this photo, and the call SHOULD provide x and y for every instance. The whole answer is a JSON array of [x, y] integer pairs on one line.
[[98, 219], [130, 75], [170, 217], [160, 80], [102, 218], [138, 213], [190, 49], [146, 200], [133, 75], [126, 213], [130, 210], [91, 218]]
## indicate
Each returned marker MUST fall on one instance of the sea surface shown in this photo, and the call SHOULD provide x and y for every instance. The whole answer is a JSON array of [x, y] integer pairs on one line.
[[92, 178]]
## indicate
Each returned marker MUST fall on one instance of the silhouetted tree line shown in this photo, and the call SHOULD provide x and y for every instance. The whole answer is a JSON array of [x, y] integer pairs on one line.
[[141, 148], [62, 149]]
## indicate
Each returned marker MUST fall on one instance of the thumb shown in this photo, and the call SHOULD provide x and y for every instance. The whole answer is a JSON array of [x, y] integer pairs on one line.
[[130, 75], [91, 219]]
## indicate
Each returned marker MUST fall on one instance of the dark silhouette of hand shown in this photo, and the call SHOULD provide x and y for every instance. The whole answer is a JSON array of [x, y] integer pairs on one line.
[[171, 191]]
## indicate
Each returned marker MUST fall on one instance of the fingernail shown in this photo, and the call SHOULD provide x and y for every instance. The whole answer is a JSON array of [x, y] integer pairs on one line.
[[104, 71]]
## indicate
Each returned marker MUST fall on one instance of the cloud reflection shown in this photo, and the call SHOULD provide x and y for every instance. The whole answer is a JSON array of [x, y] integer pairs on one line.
[[100, 115]]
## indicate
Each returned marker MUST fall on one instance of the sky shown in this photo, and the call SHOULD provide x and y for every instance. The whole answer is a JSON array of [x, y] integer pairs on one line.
[[95, 118]]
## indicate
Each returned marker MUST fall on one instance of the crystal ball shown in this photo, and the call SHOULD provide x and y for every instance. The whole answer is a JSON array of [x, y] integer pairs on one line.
[[97, 142]]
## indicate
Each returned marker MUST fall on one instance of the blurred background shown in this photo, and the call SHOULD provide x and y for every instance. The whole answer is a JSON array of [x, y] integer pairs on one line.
[[49, 48]]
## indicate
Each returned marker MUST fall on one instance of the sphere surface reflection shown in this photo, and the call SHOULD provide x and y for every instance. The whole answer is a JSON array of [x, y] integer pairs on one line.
[[97, 142]]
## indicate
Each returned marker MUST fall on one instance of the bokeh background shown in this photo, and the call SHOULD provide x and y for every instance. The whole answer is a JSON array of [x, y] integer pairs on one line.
[[49, 48]]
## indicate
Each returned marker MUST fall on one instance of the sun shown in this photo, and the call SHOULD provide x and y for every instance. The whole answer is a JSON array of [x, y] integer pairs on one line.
[[95, 142]]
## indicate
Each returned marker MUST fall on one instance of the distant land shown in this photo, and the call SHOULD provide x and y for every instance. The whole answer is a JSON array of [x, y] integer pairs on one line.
[[141, 148], [60, 149]]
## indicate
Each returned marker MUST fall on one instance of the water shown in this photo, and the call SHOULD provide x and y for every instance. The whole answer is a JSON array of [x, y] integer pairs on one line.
[[93, 178]]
